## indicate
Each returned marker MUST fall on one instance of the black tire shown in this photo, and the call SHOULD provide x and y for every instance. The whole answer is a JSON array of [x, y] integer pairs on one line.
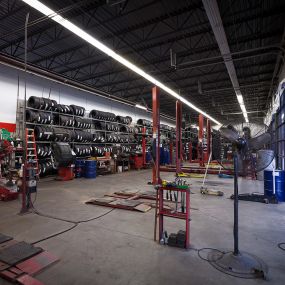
[[77, 110]]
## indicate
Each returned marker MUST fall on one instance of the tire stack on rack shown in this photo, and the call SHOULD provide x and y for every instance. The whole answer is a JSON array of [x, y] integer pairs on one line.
[[124, 120], [69, 123], [82, 150], [144, 123], [42, 103], [104, 116], [98, 151], [46, 168], [44, 152], [44, 133], [98, 137], [64, 120]]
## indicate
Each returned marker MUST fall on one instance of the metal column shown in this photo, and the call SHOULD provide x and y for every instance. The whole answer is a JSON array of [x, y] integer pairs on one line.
[[190, 151], [178, 136], [156, 134], [171, 152], [200, 140], [144, 146], [209, 141]]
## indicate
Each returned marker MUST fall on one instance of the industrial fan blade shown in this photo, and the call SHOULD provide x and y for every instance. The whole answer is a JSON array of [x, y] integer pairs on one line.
[[263, 159], [230, 133], [257, 143]]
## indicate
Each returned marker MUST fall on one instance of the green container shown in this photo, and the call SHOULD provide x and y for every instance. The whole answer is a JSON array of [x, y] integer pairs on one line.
[[5, 135]]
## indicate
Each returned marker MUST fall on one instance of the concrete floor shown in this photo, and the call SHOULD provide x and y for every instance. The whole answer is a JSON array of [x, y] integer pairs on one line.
[[118, 248]]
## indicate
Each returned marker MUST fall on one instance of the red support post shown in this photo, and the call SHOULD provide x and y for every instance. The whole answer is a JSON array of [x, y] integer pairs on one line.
[[170, 152], [178, 136], [144, 146], [209, 141], [156, 134], [190, 151], [200, 140]]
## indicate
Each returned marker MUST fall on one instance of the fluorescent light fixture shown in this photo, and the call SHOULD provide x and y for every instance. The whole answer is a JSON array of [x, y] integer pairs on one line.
[[141, 107], [96, 43], [242, 105], [240, 99]]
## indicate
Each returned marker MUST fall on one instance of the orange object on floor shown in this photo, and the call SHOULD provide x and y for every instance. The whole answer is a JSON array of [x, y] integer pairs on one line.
[[65, 173]]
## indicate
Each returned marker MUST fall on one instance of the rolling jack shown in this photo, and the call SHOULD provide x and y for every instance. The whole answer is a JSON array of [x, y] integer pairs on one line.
[[203, 189]]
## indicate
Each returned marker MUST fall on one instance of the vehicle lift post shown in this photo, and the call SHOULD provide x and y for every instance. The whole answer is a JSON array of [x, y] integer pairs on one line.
[[156, 134], [144, 146], [200, 141], [209, 141], [178, 136]]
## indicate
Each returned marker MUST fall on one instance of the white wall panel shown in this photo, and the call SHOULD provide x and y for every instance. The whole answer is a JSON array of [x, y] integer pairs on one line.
[[41, 87]]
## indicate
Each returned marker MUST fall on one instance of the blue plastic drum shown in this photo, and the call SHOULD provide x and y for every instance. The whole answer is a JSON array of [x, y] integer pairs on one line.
[[90, 168], [79, 168], [279, 184]]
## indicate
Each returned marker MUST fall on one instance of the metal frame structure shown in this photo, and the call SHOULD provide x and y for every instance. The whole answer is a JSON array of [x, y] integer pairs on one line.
[[156, 134], [178, 145]]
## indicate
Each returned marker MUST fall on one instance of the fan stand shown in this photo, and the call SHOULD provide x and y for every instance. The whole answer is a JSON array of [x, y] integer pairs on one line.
[[237, 263]]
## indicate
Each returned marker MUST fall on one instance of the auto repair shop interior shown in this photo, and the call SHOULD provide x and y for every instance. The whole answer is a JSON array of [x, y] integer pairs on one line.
[[142, 142]]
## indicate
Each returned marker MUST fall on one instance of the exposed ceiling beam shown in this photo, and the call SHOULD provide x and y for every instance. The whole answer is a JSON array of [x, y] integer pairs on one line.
[[213, 13]]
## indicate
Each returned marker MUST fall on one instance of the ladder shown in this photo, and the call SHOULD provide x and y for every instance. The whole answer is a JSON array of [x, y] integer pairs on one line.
[[31, 151]]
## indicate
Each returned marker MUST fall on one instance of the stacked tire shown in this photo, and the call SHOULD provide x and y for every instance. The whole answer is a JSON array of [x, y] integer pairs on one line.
[[82, 150], [42, 103], [99, 137], [61, 135], [100, 115], [113, 127], [81, 136], [45, 168], [38, 117], [144, 122], [43, 150], [64, 109], [64, 120], [82, 123], [43, 133], [124, 120], [77, 110], [98, 151], [100, 125]]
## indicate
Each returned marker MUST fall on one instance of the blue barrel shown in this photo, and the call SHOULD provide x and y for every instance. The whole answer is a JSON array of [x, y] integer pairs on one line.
[[162, 159], [167, 156], [148, 157], [90, 168], [279, 184], [79, 168]]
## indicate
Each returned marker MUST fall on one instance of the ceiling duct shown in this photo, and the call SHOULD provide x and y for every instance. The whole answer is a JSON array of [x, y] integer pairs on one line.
[[213, 13]]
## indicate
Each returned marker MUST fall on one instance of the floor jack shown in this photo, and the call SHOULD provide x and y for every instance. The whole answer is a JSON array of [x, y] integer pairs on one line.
[[190, 175], [203, 189]]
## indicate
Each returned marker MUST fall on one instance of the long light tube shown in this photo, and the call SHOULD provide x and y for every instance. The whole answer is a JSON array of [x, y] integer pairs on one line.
[[141, 107], [96, 43]]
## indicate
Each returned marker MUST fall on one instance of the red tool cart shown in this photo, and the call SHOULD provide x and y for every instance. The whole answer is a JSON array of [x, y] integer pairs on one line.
[[174, 214]]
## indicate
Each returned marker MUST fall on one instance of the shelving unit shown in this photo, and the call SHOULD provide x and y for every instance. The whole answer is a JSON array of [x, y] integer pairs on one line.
[[163, 212]]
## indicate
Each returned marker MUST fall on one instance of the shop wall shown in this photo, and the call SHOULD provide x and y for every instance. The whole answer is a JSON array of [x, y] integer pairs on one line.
[[12, 87]]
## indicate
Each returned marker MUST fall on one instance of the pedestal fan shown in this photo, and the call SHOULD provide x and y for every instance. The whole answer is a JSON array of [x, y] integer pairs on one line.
[[248, 155]]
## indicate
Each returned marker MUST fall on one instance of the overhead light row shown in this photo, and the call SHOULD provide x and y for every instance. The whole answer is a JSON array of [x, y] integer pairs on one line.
[[96, 43], [141, 107], [242, 105]]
